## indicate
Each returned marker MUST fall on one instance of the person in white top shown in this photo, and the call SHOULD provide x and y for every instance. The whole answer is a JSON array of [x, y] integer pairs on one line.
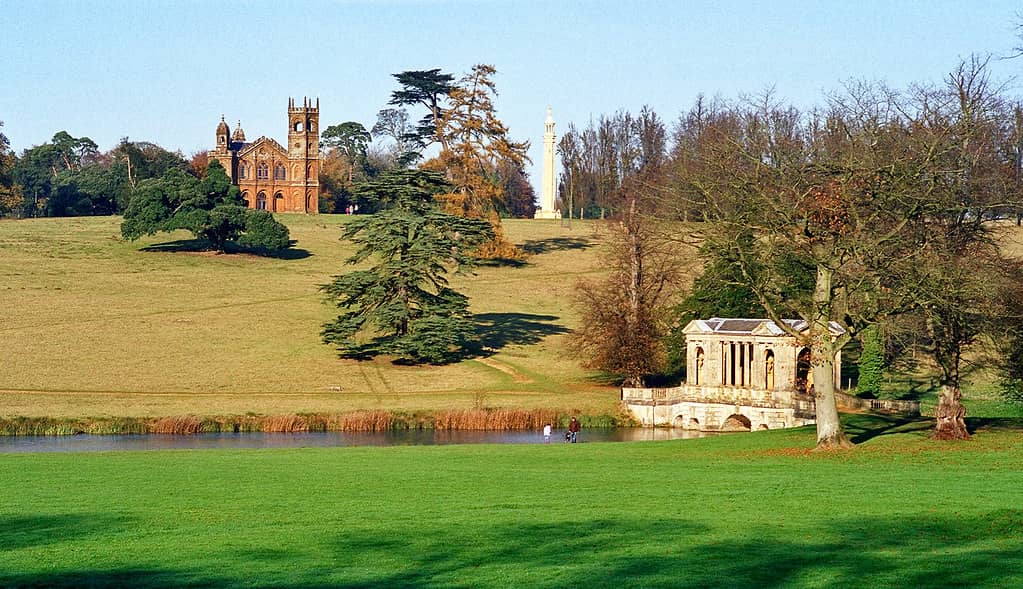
[[547, 434]]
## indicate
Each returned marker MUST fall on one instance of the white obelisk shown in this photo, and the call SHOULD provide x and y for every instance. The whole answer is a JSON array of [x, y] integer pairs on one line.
[[547, 210]]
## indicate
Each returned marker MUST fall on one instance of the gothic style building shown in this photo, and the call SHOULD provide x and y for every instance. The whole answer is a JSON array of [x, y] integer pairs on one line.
[[272, 177]]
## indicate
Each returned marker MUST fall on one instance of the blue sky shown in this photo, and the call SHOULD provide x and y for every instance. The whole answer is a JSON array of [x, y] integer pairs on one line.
[[166, 71]]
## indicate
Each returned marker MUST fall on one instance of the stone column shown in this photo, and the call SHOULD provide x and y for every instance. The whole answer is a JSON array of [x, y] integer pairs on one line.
[[547, 184]]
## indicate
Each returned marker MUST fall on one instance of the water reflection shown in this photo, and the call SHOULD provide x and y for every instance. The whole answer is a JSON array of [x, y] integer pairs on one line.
[[90, 443]]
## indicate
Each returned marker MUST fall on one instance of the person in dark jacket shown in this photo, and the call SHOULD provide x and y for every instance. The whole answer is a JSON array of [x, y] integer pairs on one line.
[[573, 429]]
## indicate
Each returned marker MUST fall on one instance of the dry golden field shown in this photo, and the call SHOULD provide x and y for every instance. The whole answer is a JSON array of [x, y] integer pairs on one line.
[[95, 326]]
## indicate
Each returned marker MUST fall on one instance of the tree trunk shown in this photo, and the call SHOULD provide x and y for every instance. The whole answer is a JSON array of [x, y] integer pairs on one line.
[[634, 286], [822, 352], [829, 427], [949, 413]]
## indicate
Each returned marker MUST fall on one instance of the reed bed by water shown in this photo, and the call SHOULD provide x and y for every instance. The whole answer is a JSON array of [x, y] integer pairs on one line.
[[496, 419], [357, 421]]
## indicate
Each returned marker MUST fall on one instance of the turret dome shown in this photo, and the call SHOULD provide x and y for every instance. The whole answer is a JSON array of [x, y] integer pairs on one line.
[[222, 128]]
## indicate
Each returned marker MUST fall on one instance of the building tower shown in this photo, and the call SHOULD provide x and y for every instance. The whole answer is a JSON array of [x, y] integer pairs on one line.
[[222, 139], [547, 210], [238, 136], [304, 152]]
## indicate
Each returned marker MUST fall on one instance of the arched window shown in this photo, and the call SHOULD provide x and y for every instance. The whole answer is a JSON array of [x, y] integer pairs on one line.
[[263, 171], [698, 377], [298, 126], [243, 170], [769, 371], [245, 197], [261, 201], [804, 371], [278, 204], [279, 172]]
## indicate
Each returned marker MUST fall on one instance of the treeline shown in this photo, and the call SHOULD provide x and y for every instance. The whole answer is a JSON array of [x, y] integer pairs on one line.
[[878, 211], [69, 176], [598, 159]]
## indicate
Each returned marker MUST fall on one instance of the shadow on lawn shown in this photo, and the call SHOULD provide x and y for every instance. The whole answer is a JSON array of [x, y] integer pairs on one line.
[[930, 551], [17, 532], [493, 331], [555, 244], [861, 427], [497, 330], [201, 245], [858, 552], [534, 247], [994, 424]]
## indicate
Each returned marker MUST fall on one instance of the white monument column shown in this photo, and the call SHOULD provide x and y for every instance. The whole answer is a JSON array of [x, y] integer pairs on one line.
[[547, 210]]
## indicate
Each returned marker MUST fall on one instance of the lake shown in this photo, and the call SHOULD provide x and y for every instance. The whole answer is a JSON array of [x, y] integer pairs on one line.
[[91, 443]]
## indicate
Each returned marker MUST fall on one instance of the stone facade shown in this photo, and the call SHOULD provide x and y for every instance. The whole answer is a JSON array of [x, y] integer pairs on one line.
[[742, 374], [270, 176]]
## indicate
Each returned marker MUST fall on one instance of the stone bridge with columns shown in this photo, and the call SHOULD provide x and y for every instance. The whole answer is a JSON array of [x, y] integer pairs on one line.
[[744, 374]]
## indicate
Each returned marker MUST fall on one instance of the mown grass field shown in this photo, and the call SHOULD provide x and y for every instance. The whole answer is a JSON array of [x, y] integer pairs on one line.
[[750, 510], [94, 326]]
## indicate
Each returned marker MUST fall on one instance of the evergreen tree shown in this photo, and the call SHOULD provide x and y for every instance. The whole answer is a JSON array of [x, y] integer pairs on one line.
[[871, 363], [402, 305], [210, 208]]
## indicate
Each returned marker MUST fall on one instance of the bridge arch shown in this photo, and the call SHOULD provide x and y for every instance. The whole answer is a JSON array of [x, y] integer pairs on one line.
[[737, 422]]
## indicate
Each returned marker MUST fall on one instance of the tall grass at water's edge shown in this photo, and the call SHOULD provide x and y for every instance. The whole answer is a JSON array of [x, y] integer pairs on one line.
[[359, 421]]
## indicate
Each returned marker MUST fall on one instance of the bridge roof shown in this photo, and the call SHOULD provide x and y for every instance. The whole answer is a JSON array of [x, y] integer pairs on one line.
[[763, 327]]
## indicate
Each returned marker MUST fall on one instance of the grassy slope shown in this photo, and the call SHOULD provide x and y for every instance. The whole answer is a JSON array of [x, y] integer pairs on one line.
[[756, 510], [94, 326]]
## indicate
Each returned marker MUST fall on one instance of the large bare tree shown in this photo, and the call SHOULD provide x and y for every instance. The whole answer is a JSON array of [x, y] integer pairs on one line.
[[625, 316], [874, 185]]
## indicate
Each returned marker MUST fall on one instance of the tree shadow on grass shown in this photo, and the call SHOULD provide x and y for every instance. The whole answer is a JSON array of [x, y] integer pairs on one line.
[[501, 263], [861, 427], [534, 247], [203, 246], [17, 532], [141, 578], [994, 424], [493, 332], [554, 244], [498, 330], [921, 550], [835, 553]]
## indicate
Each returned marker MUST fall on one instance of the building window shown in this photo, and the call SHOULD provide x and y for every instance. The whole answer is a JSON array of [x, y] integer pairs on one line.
[[261, 201], [242, 170], [262, 171], [279, 172]]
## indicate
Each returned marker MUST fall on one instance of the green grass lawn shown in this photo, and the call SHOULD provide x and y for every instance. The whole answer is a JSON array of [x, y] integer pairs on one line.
[[756, 510]]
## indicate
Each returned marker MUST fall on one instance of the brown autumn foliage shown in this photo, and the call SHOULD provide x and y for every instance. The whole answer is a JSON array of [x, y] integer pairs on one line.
[[625, 316], [198, 163]]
